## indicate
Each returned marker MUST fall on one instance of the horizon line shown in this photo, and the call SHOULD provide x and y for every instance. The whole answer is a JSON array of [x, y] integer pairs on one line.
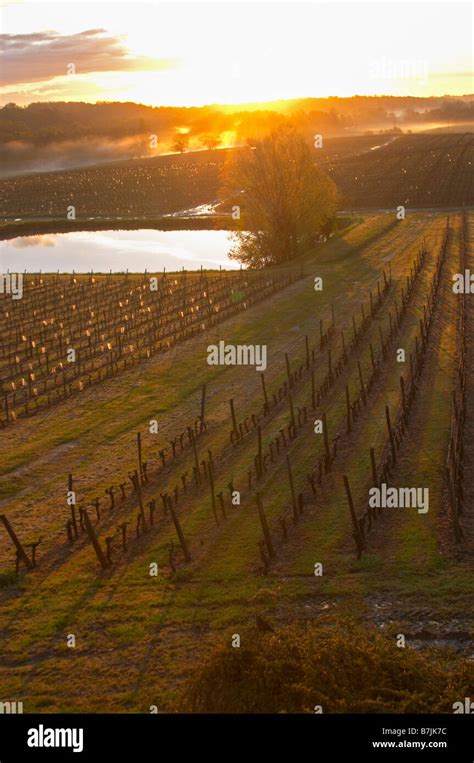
[[214, 104]]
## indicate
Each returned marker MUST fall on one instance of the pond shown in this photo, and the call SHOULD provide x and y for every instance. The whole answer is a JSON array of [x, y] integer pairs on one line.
[[118, 250]]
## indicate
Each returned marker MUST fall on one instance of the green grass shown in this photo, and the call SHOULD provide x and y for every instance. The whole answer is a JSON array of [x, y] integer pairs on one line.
[[139, 638]]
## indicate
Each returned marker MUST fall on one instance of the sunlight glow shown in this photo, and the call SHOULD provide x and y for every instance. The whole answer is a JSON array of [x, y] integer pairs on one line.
[[236, 53]]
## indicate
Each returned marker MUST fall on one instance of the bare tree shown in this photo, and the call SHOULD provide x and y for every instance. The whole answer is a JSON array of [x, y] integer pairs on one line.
[[210, 141], [284, 198], [180, 142]]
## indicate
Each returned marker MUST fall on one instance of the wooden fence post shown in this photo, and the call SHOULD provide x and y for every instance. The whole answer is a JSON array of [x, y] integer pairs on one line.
[[179, 531], [259, 456], [196, 457], [213, 495], [234, 420], [93, 539], [458, 533], [348, 410], [140, 464], [404, 402], [372, 358], [292, 489], [266, 531], [138, 487], [362, 385], [326, 444], [21, 553], [391, 435]]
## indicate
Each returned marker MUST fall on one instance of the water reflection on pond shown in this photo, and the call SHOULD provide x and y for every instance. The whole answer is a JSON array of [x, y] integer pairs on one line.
[[101, 251]]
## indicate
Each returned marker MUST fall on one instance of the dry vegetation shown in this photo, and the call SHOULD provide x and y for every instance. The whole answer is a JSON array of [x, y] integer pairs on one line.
[[340, 667]]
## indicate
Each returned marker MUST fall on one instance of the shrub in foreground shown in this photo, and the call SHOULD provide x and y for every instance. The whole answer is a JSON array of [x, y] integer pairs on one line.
[[344, 668]]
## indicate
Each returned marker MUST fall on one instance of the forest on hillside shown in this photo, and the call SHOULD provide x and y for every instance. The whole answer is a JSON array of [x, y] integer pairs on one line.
[[62, 135]]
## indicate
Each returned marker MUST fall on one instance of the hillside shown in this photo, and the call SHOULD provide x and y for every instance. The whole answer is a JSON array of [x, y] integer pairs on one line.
[[140, 637], [371, 172]]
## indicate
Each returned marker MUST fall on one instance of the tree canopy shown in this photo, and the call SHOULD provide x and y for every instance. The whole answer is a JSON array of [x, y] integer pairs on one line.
[[281, 198]]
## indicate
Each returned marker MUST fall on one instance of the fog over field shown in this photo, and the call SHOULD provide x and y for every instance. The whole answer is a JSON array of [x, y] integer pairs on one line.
[[51, 136]]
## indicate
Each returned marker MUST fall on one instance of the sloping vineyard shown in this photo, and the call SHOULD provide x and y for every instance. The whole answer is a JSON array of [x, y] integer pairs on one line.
[[303, 392], [414, 171], [236, 485], [69, 333]]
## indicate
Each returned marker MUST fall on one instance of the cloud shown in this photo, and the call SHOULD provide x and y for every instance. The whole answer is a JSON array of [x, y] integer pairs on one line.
[[41, 56], [24, 242]]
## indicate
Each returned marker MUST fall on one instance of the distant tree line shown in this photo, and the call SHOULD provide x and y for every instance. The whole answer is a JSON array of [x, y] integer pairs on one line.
[[50, 122]]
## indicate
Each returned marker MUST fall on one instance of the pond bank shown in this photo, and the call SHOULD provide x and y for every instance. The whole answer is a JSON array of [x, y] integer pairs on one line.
[[32, 227]]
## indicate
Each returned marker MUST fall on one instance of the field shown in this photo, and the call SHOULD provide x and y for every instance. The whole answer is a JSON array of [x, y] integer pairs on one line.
[[111, 322], [433, 170], [371, 172], [301, 546]]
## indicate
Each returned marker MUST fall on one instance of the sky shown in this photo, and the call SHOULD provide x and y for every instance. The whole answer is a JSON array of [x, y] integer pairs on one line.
[[190, 54]]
